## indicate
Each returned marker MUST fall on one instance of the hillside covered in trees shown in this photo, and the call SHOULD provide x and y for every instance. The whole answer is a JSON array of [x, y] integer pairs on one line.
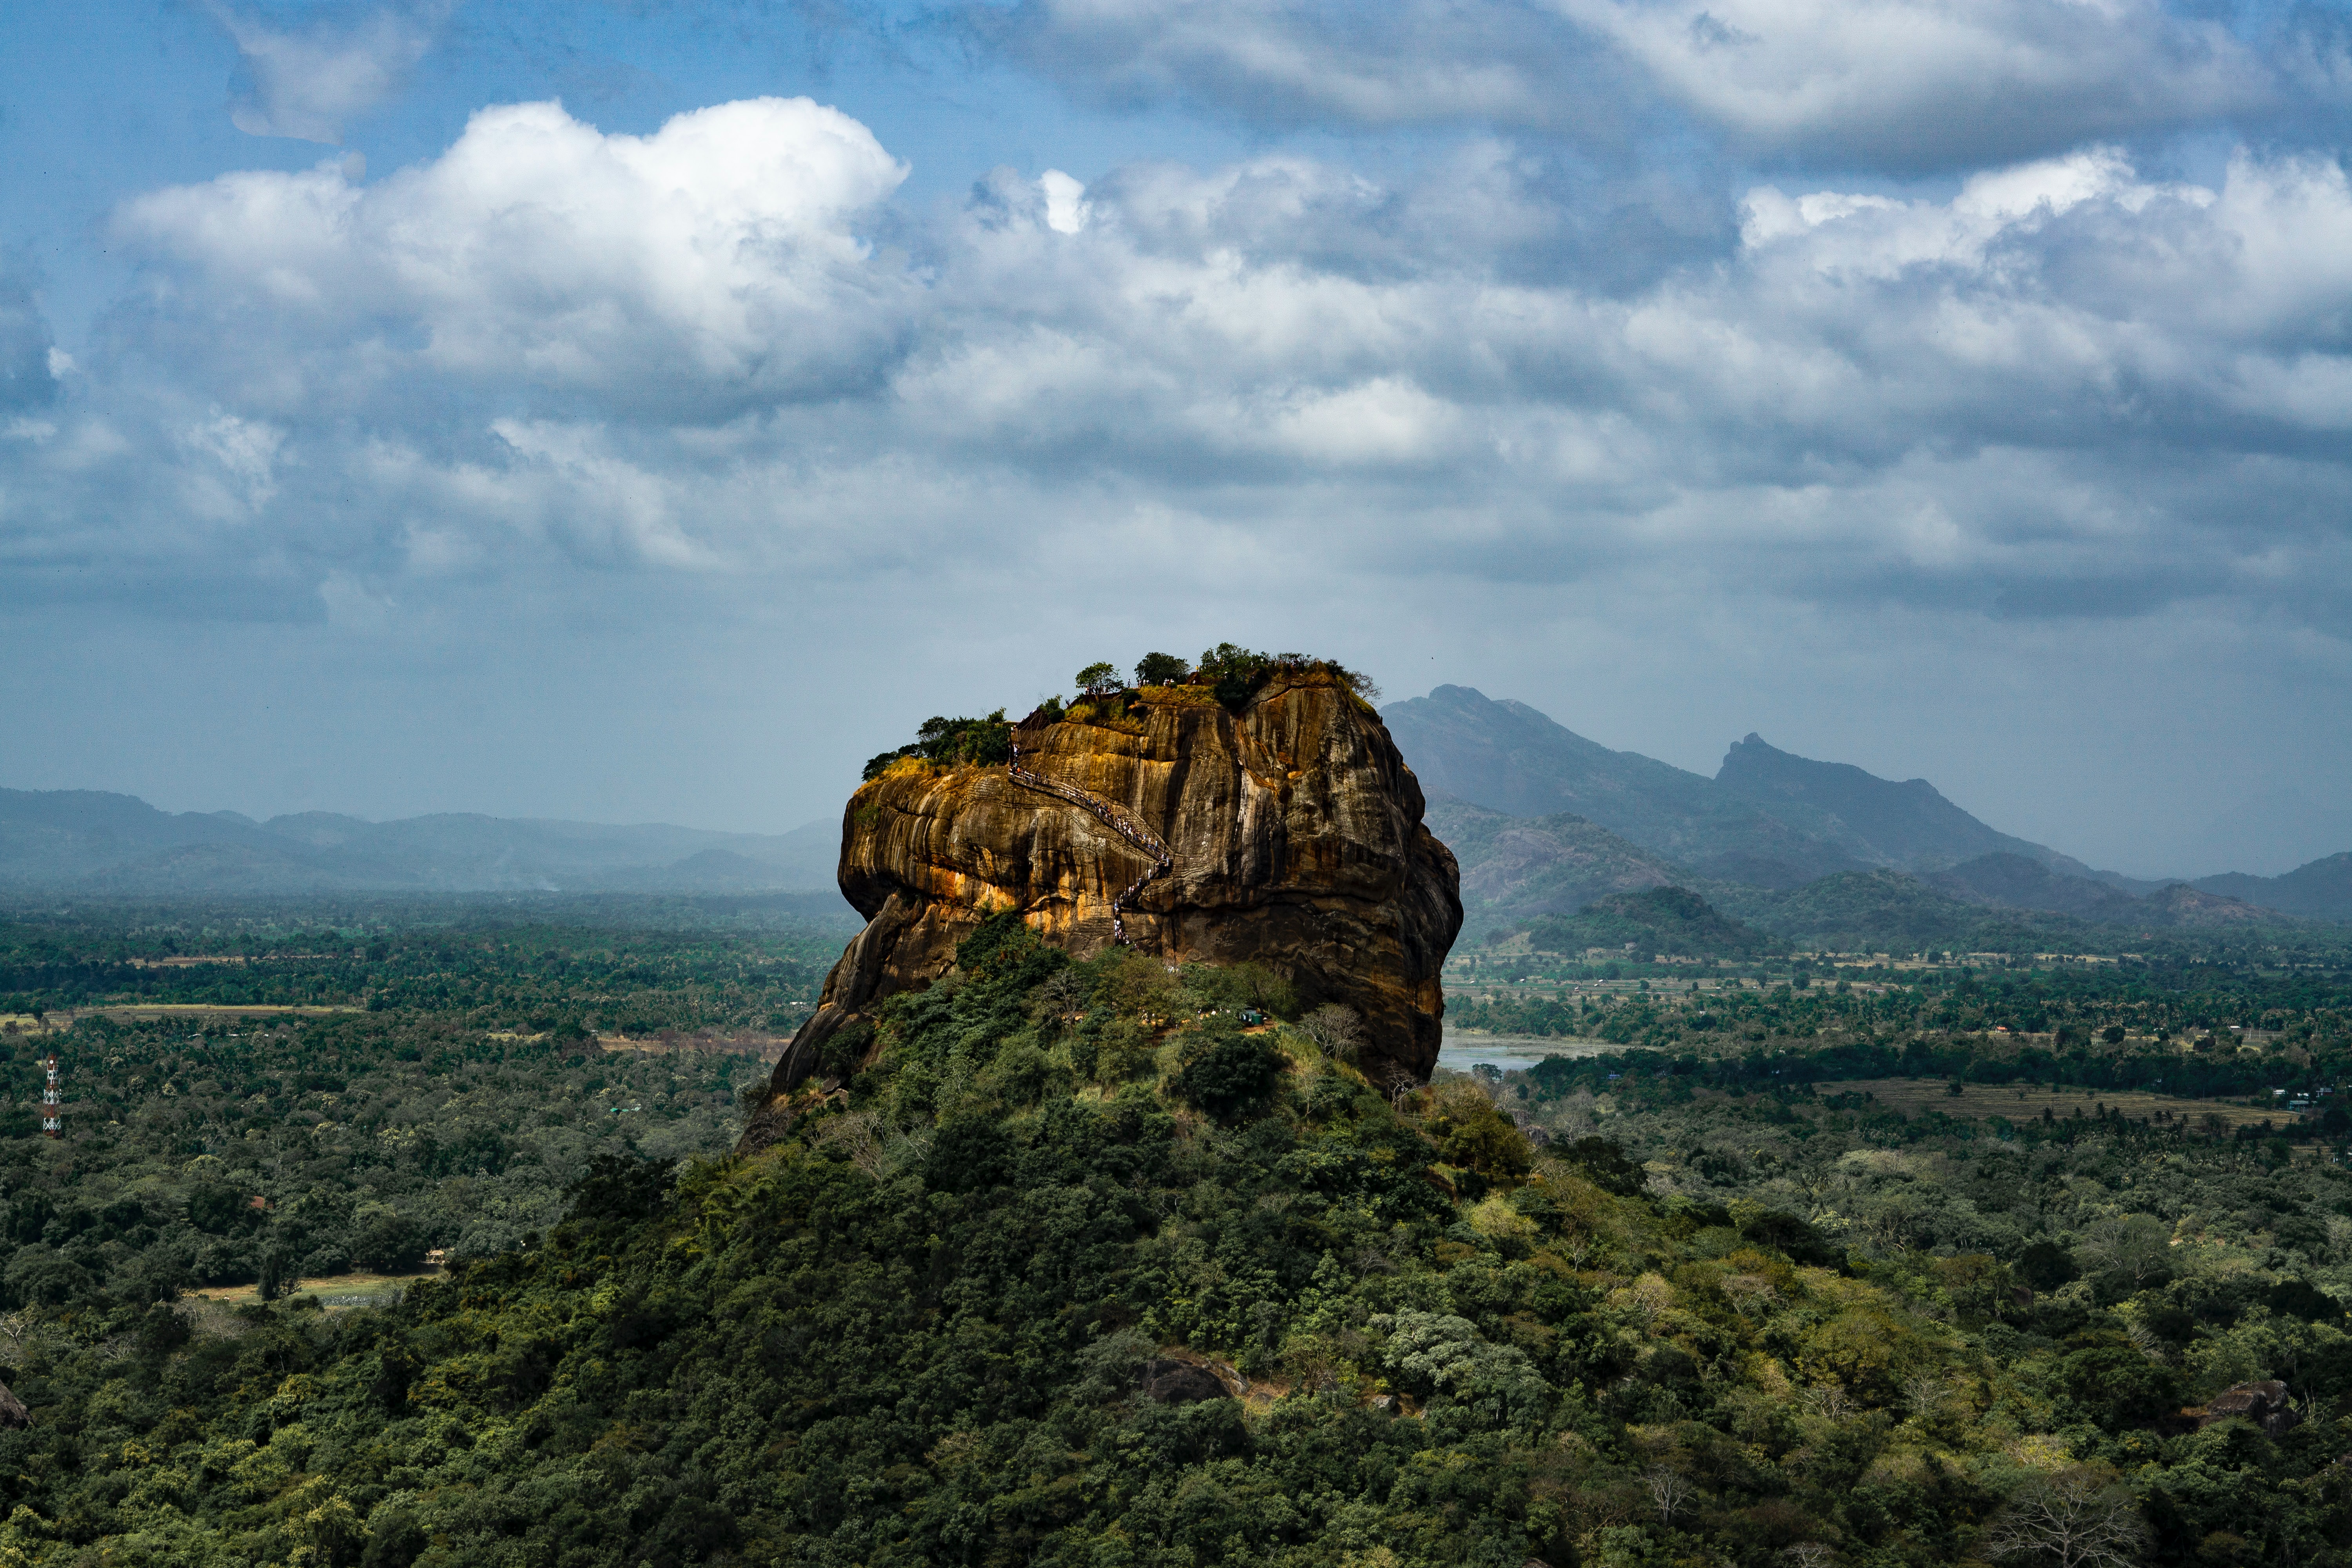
[[1084, 1270]]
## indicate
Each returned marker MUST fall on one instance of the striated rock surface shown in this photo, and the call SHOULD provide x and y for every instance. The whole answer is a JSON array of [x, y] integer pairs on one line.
[[1296, 837]]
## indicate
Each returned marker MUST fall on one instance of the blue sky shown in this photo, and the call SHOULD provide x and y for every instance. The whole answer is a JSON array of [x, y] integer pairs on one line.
[[648, 411]]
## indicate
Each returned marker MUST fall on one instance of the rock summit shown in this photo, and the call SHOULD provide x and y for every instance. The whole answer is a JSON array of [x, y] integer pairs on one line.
[[1284, 829]]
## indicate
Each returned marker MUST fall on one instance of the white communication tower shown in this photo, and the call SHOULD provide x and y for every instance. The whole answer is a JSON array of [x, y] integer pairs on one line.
[[52, 1106]]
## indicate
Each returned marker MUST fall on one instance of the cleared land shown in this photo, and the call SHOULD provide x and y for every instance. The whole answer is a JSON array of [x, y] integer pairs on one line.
[[336, 1292], [2019, 1102]]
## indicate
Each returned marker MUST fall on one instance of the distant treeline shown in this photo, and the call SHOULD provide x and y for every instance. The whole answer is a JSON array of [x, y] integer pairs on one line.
[[1931, 1057], [496, 973], [2075, 1004]]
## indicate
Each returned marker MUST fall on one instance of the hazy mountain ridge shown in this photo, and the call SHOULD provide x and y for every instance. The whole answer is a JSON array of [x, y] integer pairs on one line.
[[1768, 817], [1910, 825], [89, 840], [2321, 889], [1566, 820], [1514, 870]]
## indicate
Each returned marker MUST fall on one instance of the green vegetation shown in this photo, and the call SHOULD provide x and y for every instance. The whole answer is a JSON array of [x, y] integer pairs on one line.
[[2130, 1267], [1230, 673], [954, 744], [2187, 1022], [1083, 1269], [1888, 912], [251, 1153], [613, 964], [1160, 669]]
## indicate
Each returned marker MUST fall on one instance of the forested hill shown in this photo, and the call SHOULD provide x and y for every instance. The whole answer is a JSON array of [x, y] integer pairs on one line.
[[1081, 1270]]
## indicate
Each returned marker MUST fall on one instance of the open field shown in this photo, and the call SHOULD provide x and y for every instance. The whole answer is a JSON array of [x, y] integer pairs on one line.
[[767, 1047], [336, 1292], [2019, 1102]]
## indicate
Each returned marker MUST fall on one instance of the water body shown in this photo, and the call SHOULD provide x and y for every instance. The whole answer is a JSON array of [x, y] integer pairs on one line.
[[1513, 1053]]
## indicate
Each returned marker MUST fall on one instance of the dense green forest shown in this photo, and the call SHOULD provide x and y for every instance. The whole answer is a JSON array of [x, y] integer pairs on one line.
[[2185, 1021], [254, 1152], [1892, 912], [1082, 1270], [612, 963]]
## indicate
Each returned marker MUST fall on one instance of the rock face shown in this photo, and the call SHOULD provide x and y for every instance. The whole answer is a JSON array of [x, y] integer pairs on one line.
[[1180, 1382], [2265, 1404], [1297, 838]]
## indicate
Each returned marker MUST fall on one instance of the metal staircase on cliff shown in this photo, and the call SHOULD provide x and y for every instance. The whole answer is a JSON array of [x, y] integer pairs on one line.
[[1112, 817]]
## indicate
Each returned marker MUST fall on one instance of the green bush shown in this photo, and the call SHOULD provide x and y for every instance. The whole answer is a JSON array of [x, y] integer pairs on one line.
[[1226, 1072]]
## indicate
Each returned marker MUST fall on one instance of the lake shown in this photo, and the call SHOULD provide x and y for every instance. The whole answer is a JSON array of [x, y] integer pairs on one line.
[[1512, 1053]]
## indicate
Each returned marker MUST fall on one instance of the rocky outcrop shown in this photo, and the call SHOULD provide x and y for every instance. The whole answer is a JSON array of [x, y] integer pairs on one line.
[[1297, 841], [2266, 1404], [1180, 1382]]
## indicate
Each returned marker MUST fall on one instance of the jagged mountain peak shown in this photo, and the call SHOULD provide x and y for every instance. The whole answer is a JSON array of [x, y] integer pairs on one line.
[[1768, 817]]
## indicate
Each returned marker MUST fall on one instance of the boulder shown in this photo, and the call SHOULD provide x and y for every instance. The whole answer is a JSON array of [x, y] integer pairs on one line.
[[1180, 1382], [1294, 832], [2265, 1404]]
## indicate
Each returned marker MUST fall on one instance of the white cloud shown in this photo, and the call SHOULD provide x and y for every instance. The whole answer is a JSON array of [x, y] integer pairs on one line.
[[308, 82], [241, 476], [711, 265], [2059, 389], [1066, 201]]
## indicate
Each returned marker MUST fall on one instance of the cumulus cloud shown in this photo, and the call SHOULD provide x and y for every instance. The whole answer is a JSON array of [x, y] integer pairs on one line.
[[2058, 390], [1898, 84], [307, 81], [713, 265]]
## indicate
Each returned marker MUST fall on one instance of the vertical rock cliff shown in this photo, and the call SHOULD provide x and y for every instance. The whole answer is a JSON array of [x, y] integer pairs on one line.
[[1296, 841]]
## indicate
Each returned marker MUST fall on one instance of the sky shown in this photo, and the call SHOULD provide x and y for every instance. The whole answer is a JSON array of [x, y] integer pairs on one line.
[[643, 411]]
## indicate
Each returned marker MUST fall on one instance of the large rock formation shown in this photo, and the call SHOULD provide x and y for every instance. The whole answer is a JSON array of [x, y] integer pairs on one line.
[[1297, 838]]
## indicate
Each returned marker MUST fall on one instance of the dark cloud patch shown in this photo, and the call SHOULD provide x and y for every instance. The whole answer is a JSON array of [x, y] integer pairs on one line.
[[1900, 85], [1418, 62]]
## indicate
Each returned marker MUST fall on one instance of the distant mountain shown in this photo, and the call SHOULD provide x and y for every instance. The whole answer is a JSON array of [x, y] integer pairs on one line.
[[1910, 825], [2007, 882], [1767, 819], [1671, 921], [1509, 758], [85, 840], [1514, 869], [1887, 911], [2322, 889]]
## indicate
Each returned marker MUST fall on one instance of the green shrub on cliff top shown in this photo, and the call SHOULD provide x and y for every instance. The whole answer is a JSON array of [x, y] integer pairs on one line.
[[952, 744]]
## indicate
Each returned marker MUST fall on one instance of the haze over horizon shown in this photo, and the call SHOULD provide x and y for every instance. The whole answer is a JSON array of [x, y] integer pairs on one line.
[[647, 413]]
